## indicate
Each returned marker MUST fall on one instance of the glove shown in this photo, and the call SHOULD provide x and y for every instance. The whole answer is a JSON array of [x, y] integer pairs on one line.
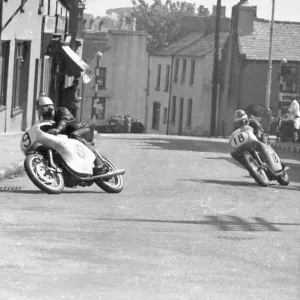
[[54, 131]]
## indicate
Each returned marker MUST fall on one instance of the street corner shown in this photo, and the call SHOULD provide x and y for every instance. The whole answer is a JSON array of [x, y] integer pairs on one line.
[[11, 171]]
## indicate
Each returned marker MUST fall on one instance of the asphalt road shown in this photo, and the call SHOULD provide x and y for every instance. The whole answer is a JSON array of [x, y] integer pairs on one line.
[[189, 224]]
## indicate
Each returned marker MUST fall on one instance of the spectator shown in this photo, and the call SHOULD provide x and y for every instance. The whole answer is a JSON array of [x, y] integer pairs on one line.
[[70, 98]]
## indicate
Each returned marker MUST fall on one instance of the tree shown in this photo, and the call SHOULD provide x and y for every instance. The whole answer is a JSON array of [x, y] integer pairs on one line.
[[162, 21]]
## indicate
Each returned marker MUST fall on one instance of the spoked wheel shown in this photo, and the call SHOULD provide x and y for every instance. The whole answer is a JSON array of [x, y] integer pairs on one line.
[[256, 171], [48, 181], [114, 184], [283, 179]]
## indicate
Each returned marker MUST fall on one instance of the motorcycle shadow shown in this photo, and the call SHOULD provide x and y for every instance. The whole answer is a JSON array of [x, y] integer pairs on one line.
[[37, 192], [273, 185]]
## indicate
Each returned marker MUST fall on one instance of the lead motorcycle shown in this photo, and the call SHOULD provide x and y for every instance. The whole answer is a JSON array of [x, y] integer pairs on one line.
[[244, 145], [53, 162]]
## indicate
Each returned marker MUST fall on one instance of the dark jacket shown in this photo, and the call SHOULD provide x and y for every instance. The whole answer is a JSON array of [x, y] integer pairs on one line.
[[256, 126], [65, 121]]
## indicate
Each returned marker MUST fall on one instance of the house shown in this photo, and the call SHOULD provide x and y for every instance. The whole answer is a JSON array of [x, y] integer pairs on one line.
[[191, 94], [35, 57], [180, 84], [160, 74], [245, 65], [119, 75], [20, 51]]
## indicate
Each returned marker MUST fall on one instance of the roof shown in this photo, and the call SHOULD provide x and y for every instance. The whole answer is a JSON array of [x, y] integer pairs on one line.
[[286, 41], [174, 47], [203, 45]]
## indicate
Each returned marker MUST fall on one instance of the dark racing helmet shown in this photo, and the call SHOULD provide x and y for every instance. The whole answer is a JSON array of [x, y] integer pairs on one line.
[[45, 108], [240, 118]]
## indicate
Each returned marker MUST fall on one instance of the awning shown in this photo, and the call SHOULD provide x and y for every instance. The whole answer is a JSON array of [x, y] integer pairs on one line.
[[74, 64]]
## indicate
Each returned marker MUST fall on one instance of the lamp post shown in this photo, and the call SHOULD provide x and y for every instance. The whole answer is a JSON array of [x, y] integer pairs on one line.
[[269, 75], [98, 56], [215, 79]]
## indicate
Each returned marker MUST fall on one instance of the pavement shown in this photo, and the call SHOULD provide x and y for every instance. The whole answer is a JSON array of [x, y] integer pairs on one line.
[[12, 158]]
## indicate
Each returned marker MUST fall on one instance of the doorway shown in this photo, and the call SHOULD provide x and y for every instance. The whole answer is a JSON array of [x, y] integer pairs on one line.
[[156, 115]]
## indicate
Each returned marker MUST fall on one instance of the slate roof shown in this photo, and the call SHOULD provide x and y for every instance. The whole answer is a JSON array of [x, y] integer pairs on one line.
[[286, 41], [174, 47], [203, 45]]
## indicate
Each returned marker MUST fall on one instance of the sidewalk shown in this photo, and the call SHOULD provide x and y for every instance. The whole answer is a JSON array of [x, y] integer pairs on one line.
[[11, 156]]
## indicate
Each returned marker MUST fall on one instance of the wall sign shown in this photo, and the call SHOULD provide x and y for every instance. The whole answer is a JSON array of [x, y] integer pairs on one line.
[[61, 24], [49, 24]]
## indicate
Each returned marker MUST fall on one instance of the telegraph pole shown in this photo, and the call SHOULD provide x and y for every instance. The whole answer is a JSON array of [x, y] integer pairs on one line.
[[1, 14], [269, 78], [214, 97]]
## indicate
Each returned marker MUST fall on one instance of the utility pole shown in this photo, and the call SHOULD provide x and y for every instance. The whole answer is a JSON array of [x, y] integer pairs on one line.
[[269, 78], [214, 97], [1, 14]]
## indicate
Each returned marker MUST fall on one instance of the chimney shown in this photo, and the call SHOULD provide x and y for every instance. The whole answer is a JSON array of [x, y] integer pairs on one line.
[[223, 11], [243, 16]]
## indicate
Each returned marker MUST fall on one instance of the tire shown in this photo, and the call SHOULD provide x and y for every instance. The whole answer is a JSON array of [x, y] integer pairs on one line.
[[35, 166], [107, 185], [283, 179], [255, 171]]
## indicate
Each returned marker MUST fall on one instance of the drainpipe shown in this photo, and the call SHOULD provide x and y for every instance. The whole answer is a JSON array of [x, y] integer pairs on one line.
[[147, 95], [170, 94]]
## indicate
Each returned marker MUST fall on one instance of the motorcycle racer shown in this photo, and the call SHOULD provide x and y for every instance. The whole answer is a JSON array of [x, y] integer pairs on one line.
[[241, 119], [66, 123]]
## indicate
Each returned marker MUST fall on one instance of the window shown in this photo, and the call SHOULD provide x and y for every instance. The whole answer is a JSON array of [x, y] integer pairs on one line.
[[156, 115], [183, 71], [4, 61], [289, 70], [19, 60], [173, 117], [99, 108], [192, 74], [289, 87], [189, 113], [158, 77], [101, 78], [165, 116], [176, 70], [167, 80]]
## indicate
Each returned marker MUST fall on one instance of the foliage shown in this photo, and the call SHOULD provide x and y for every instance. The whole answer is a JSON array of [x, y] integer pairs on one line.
[[162, 21]]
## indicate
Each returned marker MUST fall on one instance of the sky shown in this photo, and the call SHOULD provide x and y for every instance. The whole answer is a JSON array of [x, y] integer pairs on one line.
[[285, 10]]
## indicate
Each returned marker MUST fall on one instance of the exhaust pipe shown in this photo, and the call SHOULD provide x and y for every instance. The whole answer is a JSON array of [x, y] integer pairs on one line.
[[109, 174]]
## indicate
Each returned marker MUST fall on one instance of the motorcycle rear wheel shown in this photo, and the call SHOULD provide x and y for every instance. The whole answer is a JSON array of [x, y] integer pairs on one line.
[[36, 167], [256, 171], [112, 185], [283, 179]]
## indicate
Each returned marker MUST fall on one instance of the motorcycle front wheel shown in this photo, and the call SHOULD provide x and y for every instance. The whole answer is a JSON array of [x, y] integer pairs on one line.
[[256, 171], [114, 184], [48, 181]]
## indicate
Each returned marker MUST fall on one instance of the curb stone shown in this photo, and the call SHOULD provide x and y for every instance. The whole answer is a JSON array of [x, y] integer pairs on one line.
[[10, 171]]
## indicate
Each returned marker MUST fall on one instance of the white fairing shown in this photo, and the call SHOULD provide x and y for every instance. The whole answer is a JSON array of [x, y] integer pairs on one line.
[[76, 155]]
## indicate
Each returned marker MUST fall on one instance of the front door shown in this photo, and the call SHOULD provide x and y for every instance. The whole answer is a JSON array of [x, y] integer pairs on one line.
[[156, 115], [180, 116]]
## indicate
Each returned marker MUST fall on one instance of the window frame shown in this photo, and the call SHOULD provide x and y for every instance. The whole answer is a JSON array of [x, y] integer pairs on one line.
[[183, 71], [192, 72], [167, 78], [173, 111], [158, 77], [189, 113], [176, 70]]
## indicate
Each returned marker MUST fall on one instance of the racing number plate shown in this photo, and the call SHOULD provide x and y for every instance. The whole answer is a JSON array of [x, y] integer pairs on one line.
[[239, 139]]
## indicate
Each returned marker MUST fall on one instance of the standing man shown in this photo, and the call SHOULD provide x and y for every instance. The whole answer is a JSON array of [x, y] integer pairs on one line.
[[70, 97]]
